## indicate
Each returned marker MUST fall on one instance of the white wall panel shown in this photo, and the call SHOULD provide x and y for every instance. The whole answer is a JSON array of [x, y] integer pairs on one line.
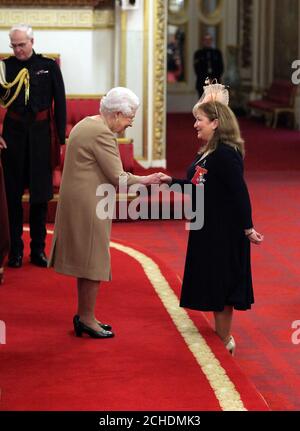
[[86, 57]]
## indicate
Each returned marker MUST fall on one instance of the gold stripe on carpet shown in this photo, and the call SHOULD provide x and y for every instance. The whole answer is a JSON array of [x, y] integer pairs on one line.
[[224, 389]]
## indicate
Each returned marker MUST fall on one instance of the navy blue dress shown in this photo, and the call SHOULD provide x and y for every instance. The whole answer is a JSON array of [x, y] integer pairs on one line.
[[217, 268]]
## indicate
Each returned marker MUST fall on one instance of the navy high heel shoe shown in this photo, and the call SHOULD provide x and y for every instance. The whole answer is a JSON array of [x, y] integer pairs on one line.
[[80, 328], [104, 326]]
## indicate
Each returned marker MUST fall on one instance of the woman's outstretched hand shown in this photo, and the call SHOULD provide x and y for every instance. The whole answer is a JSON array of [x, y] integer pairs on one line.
[[156, 178], [164, 178], [151, 179], [254, 236]]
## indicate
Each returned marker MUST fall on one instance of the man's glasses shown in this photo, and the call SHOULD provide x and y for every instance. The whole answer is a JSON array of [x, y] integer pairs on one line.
[[18, 45]]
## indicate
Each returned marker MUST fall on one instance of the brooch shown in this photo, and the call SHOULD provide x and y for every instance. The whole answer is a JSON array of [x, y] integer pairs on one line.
[[199, 175]]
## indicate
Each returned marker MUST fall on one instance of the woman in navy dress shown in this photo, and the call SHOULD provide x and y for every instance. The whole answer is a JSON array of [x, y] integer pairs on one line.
[[217, 275]]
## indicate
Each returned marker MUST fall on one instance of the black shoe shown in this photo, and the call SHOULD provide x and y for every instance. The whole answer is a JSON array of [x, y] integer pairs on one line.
[[104, 326], [15, 261], [80, 328], [39, 259]]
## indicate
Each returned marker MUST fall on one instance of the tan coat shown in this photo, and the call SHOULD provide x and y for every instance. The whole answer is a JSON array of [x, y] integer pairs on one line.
[[80, 244]]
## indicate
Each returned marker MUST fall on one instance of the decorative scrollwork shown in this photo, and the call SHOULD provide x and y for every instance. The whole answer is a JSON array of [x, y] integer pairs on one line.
[[159, 81], [69, 3], [71, 18]]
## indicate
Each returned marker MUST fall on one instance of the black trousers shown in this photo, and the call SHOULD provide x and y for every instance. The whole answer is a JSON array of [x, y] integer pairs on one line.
[[37, 224], [26, 164]]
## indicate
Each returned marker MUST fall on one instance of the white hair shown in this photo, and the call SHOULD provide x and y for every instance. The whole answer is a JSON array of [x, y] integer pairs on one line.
[[22, 27], [119, 99]]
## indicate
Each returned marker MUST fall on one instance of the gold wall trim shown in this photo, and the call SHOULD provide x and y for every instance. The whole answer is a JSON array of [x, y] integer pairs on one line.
[[68, 3], [212, 18], [123, 55], [159, 106], [145, 79], [123, 45], [104, 18], [60, 19], [180, 17]]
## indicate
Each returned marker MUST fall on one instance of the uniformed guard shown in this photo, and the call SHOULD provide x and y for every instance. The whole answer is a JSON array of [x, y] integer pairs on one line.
[[208, 63], [32, 90]]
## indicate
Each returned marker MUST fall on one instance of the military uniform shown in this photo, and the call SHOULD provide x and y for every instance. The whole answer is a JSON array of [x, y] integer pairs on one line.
[[32, 139], [208, 63]]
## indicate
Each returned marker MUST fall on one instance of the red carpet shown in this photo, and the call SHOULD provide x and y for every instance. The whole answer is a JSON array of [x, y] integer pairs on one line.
[[147, 366]]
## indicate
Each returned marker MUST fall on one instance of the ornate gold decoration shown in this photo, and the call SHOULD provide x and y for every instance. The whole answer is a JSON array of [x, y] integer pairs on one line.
[[123, 48], [159, 90], [103, 18], [123, 55], [145, 79], [81, 18], [180, 17], [21, 79], [68, 3], [211, 18]]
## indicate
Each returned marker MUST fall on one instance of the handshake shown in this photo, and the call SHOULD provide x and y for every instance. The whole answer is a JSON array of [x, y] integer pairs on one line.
[[156, 178]]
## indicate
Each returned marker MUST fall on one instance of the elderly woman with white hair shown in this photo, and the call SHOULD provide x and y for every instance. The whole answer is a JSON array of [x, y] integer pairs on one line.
[[80, 246]]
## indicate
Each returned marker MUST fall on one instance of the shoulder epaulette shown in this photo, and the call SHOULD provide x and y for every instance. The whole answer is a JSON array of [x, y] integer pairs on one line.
[[47, 57], [6, 58]]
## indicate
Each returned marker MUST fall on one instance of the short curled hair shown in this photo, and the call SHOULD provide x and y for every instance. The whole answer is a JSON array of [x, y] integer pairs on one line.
[[22, 27], [119, 99]]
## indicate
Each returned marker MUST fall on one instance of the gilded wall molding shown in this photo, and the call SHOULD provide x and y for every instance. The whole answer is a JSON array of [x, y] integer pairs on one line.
[[103, 18], [211, 18], [59, 19], [145, 79], [68, 3], [179, 17], [159, 105], [123, 59]]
